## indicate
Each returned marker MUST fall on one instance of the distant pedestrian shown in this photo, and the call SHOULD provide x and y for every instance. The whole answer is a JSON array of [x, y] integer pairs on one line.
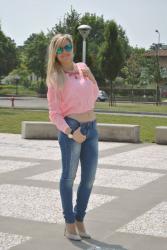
[[72, 93]]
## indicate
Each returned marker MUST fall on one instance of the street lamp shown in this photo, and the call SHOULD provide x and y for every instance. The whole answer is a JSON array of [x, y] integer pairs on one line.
[[158, 37], [158, 70], [84, 30]]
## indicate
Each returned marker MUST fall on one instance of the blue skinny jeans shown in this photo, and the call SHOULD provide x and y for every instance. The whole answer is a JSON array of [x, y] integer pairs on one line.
[[71, 153]]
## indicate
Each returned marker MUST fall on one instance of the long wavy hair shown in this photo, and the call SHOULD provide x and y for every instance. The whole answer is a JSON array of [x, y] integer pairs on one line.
[[55, 73]]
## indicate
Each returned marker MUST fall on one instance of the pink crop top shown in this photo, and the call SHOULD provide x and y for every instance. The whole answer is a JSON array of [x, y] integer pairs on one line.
[[78, 96]]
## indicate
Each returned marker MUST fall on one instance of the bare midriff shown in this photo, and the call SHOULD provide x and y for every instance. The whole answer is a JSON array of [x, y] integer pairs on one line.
[[84, 117]]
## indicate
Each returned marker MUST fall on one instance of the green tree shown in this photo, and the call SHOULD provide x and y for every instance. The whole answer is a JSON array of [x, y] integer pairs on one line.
[[94, 42], [35, 49], [147, 76], [68, 25], [111, 55], [8, 54], [126, 49], [135, 69]]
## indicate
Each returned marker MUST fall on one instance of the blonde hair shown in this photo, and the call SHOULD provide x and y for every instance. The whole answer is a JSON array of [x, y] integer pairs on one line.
[[55, 73]]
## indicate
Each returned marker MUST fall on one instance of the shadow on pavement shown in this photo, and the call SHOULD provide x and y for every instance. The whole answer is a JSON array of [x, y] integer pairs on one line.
[[96, 245]]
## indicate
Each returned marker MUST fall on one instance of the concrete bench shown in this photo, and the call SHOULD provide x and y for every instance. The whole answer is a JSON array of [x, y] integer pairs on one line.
[[38, 130], [107, 132], [161, 135], [119, 132]]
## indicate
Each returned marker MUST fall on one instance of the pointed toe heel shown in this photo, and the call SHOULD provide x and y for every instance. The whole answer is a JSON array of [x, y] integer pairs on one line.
[[75, 237], [84, 235]]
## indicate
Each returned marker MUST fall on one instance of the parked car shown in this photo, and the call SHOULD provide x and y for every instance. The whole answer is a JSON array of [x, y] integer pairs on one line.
[[102, 97], [164, 93]]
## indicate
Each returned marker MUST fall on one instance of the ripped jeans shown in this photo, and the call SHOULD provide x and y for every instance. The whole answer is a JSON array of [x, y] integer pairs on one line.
[[71, 153]]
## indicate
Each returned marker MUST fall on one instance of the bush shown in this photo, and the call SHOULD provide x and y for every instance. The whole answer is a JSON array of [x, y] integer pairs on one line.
[[42, 89], [7, 86]]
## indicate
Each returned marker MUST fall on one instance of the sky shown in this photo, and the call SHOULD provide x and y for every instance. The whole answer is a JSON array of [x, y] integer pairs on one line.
[[139, 18]]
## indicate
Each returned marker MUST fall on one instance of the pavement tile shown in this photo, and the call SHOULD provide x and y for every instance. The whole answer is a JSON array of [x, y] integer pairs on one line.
[[30, 210], [115, 178]]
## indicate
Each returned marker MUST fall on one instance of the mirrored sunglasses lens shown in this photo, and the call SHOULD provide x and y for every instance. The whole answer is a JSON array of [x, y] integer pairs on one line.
[[68, 47], [59, 51]]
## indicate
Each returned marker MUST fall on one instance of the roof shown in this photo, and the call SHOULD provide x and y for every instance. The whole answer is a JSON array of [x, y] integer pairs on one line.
[[161, 52]]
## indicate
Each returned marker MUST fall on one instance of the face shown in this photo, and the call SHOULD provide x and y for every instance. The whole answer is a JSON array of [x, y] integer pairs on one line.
[[64, 52]]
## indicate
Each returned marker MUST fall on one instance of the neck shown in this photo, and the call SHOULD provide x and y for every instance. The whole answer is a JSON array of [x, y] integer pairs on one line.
[[68, 66]]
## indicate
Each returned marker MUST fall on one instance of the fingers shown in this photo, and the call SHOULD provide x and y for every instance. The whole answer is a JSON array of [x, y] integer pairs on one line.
[[86, 72], [78, 132], [78, 136], [79, 140]]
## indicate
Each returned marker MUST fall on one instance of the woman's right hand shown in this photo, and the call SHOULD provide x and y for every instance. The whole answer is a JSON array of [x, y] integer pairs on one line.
[[78, 136]]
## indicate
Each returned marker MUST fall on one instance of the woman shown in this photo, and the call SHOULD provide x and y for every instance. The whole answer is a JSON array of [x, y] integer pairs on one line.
[[72, 93]]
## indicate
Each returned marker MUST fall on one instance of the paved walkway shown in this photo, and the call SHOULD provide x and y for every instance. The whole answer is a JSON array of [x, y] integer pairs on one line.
[[127, 209]]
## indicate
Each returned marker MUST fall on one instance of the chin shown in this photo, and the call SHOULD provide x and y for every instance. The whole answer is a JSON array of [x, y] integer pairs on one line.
[[66, 60]]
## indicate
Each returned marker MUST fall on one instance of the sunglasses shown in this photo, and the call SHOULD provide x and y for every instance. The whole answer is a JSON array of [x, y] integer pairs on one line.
[[67, 48]]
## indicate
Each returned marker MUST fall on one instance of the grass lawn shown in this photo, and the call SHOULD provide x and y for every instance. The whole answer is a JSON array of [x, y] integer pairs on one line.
[[10, 121], [138, 107], [21, 90], [147, 124]]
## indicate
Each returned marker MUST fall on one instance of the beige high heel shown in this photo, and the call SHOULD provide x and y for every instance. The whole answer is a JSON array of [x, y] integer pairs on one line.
[[70, 236], [83, 234]]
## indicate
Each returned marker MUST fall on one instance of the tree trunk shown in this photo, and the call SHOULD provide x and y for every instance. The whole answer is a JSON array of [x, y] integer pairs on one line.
[[111, 95]]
